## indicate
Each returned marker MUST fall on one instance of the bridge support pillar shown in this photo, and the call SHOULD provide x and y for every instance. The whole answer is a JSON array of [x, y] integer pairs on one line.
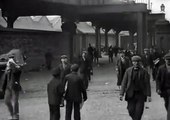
[[106, 40], [141, 32], [98, 40], [131, 40], [70, 27], [118, 43], [10, 21]]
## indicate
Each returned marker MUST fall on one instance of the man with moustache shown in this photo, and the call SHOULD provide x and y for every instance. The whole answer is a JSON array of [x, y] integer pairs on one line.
[[136, 85]]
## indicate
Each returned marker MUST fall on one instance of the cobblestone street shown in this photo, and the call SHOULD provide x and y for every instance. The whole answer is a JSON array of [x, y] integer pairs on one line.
[[103, 98]]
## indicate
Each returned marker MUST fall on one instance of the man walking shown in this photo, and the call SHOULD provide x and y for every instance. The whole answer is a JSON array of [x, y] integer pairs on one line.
[[75, 93], [136, 85], [163, 83], [55, 93], [110, 53]]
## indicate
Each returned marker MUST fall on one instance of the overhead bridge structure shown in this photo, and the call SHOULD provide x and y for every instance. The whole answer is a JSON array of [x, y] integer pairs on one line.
[[120, 15]]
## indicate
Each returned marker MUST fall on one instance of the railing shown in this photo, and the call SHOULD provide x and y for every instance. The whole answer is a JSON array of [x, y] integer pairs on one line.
[[101, 2]]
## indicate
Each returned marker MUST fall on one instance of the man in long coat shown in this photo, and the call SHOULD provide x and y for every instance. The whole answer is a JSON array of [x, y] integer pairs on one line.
[[163, 83], [136, 85], [84, 67]]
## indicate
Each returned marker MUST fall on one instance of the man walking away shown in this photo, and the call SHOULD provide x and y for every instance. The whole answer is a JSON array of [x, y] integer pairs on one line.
[[75, 93], [55, 92], [136, 85]]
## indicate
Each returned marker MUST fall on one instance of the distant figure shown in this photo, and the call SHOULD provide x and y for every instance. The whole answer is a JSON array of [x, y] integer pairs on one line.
[[110, 53], [96, 56], [48, 59], [90, 51], [157, 61], [122, 64], [75, 93], [136, 85], [146, 59], [115, 50], [84, 67], [55, 93], [163, 83]]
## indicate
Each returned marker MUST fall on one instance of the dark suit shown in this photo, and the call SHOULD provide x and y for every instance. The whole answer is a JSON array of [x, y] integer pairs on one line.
[[55, 92], [63, 73], [121, 69], [84, 67], [74, 92], [163, 84], [146, 60], [136, 93]]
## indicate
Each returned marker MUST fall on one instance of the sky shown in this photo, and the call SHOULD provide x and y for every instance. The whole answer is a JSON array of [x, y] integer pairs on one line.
[[155, 7]]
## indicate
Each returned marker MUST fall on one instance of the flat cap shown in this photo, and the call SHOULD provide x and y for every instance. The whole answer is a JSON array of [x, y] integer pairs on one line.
[[56, 71], [146, 49], [84, 51], [167, 56], [11, 55], [74, 67], [63, 56], [136, 58]]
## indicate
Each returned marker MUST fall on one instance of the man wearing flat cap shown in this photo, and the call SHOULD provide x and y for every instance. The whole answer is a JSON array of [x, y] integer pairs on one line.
[[64, 68], [146, 59], [55, 94], [136, 86], [163, 83], [122, 64], [75, 93]]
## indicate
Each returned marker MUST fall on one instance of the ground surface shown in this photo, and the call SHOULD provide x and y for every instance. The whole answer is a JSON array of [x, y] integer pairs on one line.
[[102, 104]]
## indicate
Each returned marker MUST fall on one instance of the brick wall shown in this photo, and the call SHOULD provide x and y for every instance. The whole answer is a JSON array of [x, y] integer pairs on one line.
[[35, 44]]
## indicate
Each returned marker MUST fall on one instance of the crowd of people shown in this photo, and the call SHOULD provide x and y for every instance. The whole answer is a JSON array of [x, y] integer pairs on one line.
[[133, 73], [70, 81]]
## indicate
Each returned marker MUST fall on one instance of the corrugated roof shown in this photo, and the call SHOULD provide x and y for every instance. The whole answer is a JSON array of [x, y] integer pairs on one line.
[[29, 23]]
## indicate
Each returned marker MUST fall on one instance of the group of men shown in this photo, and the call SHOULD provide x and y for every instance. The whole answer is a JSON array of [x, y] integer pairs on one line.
[[69, 82], [134, 81]]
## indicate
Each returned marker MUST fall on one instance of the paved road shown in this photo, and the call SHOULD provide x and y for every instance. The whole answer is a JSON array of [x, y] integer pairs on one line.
[[102, 104]]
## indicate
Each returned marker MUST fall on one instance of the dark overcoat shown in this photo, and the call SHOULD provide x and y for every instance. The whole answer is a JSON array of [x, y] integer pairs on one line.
[[127, 87]]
